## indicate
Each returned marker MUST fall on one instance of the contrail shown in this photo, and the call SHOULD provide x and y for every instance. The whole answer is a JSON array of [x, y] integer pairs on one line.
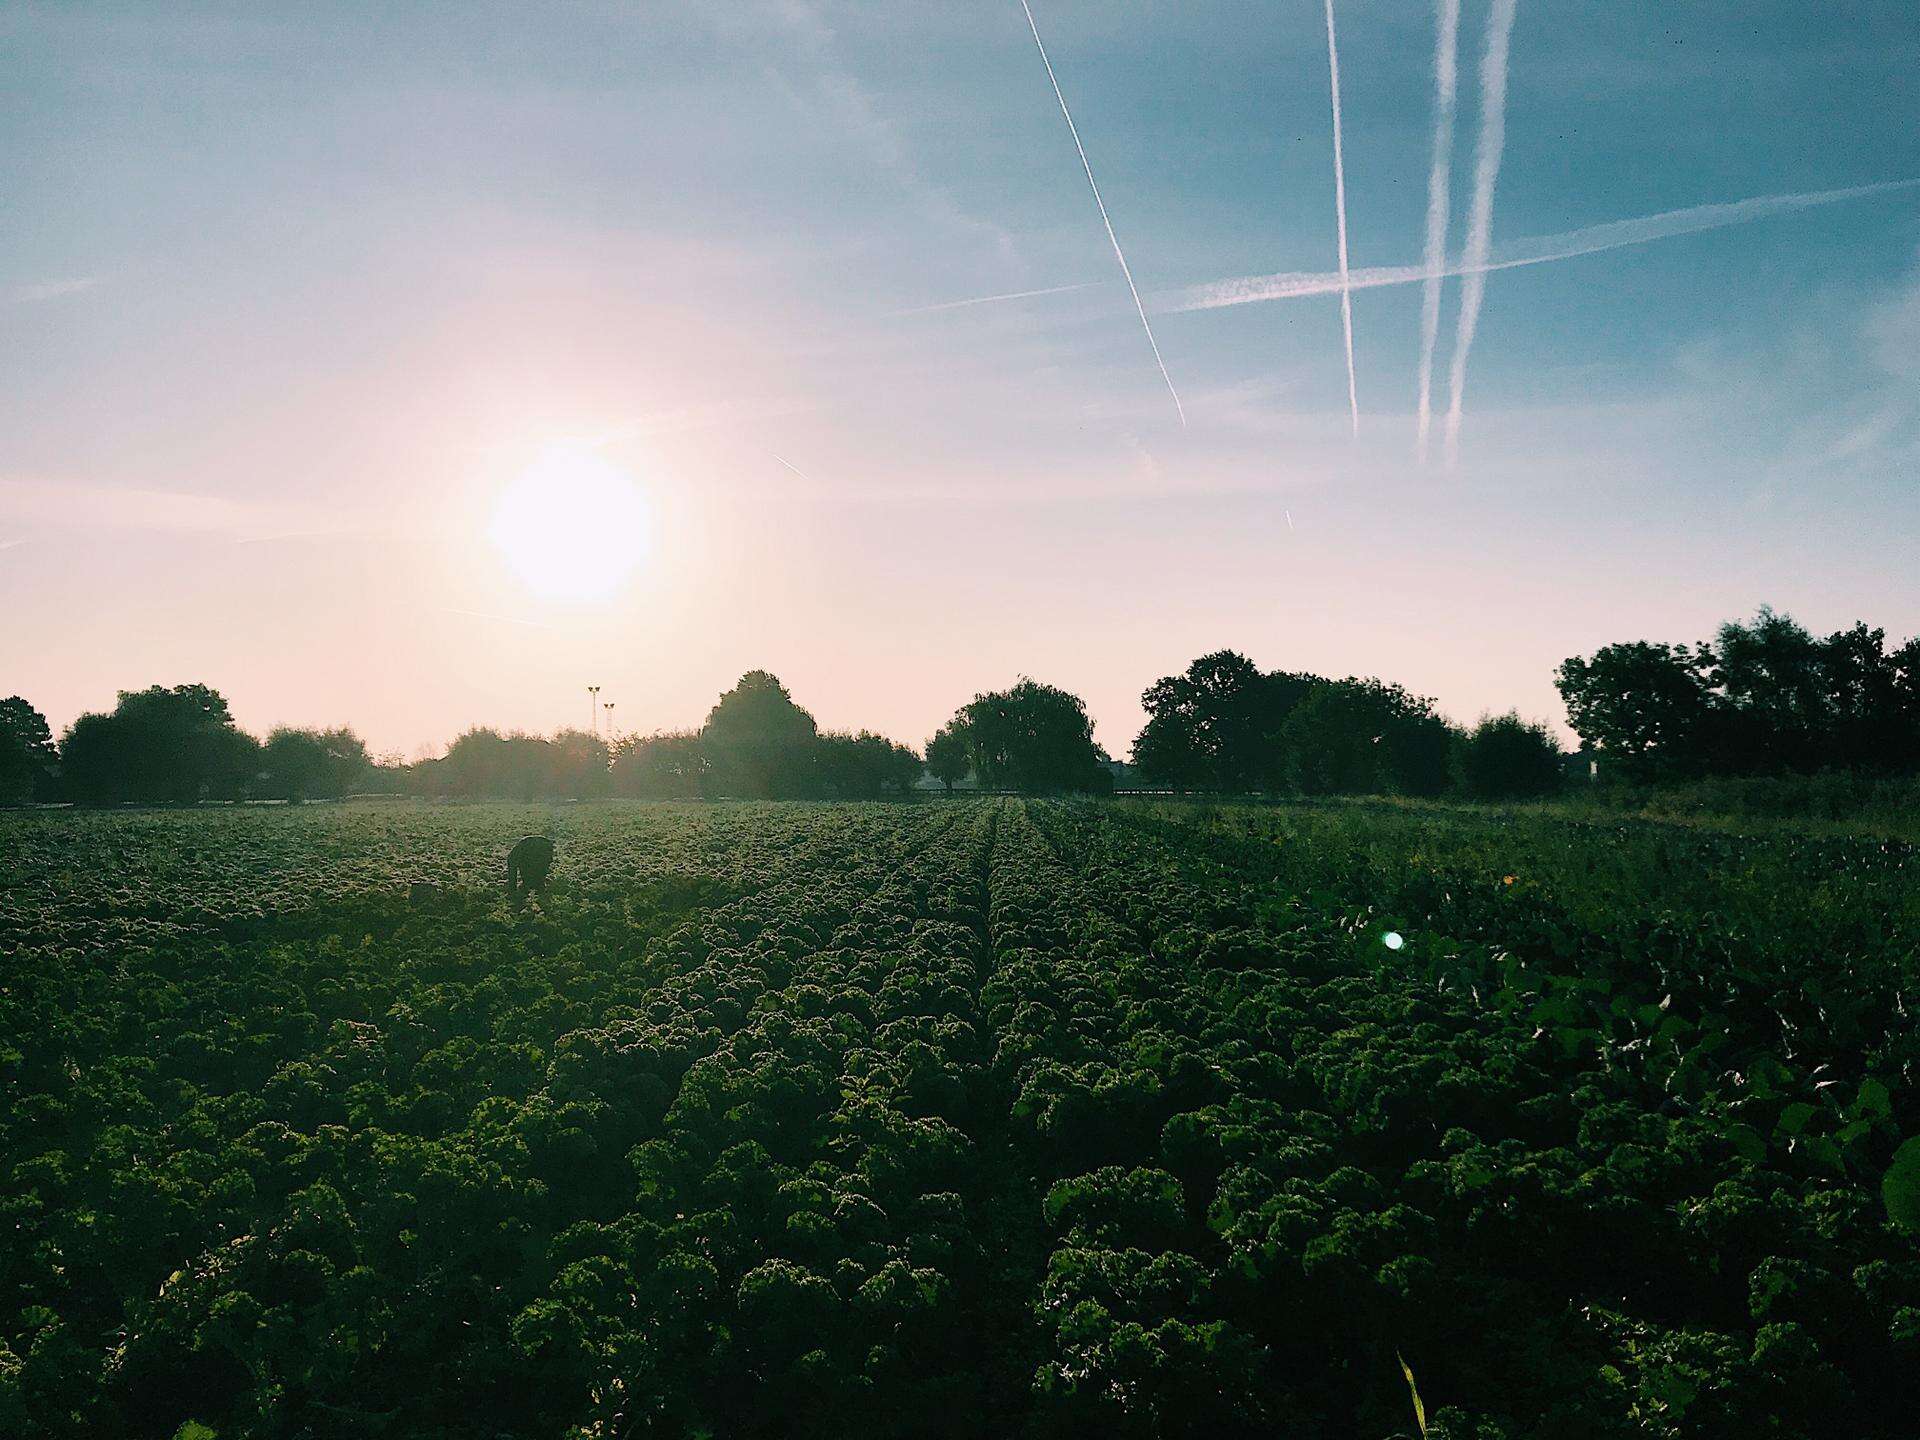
[[1486, 173], [1094, 185], [1340, 213], [1439, 202], [791, 466], [991, 299], [1530, 250]]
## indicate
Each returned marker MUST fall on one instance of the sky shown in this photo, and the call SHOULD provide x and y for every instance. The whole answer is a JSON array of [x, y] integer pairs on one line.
[[296, 298]]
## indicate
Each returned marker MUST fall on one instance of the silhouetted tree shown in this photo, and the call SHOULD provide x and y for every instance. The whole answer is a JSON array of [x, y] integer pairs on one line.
[[578, 766], [1360, 737], [311, 764], [1771, 706], [163, 745], [27, 756], [1765, 696], [1032, 738], [660, 767], [1507, 758], [850, 767], [947, 754], [757, 741], [483, 763], [1217, 726], [1645, 706]]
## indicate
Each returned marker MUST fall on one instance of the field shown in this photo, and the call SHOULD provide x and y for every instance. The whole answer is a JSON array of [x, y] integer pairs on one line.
[[968, 1118]]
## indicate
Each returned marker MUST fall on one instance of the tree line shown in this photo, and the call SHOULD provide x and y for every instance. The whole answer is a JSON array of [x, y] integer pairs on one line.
[[1225, 726], [1763, 697]]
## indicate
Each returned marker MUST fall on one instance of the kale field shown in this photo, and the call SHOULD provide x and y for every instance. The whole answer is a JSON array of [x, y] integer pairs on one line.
[[963, 1118]]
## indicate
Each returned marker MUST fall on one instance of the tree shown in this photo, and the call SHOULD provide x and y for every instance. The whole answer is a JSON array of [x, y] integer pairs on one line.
[[1647, 706], [159, 745], [1506, 758], [1217, 726], [27, 756], [1873, 716], [757, 741], [577, 765], [312, 764], [1359, 737], [1773, 706], [861, 767], [666, 766], [1033, 738], [947, 754]]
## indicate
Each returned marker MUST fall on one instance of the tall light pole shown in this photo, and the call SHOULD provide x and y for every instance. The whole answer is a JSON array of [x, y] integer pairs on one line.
[[608, 707], [593, 708]]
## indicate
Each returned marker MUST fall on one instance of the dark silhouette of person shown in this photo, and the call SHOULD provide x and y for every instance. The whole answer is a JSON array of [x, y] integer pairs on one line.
[[527, 865]]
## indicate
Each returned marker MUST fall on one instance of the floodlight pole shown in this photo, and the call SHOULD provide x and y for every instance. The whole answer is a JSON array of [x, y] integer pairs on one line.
[[593, 712], [608, 707]]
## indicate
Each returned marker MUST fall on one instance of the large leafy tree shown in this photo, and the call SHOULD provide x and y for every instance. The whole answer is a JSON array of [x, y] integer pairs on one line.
[[947, 754], [1765, 696], [312, 764], [1033, 738], [27, 755], [1774, 710], [159, 744], [667, 766], [1217, 725], [1366, 737], [757, 740], [1507, 758], [1648, 706]]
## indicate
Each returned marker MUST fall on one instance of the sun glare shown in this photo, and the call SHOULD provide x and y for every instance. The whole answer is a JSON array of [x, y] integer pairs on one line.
[[572, 525]]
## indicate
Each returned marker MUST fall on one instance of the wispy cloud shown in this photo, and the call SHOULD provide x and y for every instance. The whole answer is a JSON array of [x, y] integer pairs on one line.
[[1486, 174], [830, 87], [992, 299], [50, 289], [1101, 205], [1340, 217], [488, 615], [1446, 67], [83, 505], [1531, 250]]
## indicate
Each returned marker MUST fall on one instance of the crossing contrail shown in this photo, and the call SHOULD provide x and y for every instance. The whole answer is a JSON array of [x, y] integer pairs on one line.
[[1439, 202], [1529, 250], [1486, 173], [991, 299], [1340, 216], [1094, 185]]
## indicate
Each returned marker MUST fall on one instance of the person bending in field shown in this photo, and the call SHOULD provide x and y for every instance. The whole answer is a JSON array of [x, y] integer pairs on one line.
[[527, 866]]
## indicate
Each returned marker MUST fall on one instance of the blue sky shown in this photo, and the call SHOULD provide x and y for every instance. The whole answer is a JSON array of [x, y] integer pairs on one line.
[[291, 293]]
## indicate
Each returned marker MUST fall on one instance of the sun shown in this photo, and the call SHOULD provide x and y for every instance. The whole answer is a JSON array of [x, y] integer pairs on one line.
[[572, 525]]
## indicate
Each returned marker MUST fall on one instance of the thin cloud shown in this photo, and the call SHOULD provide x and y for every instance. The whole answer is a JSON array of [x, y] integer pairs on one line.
[[487, 615], [1101, 205], [83, 505], [1446, 67], [992, 299], [1531, 250], [1340, 218], [1493, 140], [51, 289]]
